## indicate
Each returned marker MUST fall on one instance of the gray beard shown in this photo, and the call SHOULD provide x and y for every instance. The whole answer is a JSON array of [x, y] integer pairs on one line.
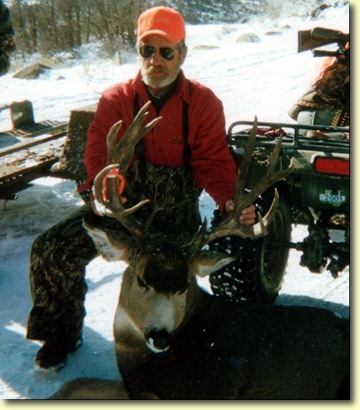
[[158, 84]]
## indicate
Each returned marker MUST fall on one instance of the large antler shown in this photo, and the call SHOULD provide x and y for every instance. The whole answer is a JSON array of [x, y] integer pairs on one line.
[[231, 226], [109, 182]]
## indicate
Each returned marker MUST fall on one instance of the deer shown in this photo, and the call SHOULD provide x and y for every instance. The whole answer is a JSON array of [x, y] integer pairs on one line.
[[174, 340]]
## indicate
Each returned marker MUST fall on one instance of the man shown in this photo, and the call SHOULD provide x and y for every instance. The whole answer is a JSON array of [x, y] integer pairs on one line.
[[185, 152], [7, 45]]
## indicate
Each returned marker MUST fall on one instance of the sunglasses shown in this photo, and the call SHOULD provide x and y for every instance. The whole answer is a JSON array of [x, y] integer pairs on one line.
[[148, 51]]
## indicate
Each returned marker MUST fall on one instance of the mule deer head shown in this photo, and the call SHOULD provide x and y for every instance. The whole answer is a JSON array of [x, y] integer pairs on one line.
[[158, 266]]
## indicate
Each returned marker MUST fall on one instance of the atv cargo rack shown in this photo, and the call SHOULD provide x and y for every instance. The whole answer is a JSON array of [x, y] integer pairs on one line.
[[295, 136]]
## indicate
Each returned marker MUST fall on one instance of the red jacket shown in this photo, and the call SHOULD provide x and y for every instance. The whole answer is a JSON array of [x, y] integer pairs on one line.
[[211, 162]]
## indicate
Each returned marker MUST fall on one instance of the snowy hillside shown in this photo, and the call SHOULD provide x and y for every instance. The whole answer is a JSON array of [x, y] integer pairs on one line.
[[263, 78]]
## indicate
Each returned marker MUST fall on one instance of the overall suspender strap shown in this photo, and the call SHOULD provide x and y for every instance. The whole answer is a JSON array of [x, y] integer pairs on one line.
[[140, 146], [187, 150]]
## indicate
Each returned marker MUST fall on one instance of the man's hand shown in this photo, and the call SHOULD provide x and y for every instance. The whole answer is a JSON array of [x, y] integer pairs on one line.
[[248, 215]]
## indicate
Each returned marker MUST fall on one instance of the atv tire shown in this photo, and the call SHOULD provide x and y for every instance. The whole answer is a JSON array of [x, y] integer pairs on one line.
[[273, 257]]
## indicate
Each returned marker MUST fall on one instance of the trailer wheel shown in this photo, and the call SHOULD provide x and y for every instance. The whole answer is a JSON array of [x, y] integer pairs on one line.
[[273, 258]]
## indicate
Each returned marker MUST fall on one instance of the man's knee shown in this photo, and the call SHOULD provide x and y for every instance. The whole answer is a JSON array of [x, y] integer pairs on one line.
[[65, 244]]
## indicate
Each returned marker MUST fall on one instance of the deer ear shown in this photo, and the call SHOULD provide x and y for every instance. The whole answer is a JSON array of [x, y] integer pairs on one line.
[[110, 247], [206, 262]]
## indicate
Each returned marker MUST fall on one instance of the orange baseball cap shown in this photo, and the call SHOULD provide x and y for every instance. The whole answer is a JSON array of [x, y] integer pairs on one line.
[[162, 21]]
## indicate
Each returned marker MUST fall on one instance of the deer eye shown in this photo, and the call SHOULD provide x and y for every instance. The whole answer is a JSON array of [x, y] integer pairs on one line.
[[141, 283]]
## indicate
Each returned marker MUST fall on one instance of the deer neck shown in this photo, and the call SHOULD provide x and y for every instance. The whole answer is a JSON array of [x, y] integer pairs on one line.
[[198, 307]]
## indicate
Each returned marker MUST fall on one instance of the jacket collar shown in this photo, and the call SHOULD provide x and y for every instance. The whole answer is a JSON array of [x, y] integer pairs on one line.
[[181, 91]]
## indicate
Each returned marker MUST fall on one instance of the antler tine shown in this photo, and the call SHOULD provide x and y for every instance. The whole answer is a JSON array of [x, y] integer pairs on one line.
[[266, 181], [113, 207], [121, 152], [231, 226], [244, 168], [244, 199], [119, 158]]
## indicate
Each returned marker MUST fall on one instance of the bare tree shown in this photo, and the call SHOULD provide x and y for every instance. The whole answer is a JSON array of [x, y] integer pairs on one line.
[[50, 26], [18, 16]]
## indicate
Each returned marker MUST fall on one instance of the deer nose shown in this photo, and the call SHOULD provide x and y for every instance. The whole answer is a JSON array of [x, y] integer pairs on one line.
[[158, 340]]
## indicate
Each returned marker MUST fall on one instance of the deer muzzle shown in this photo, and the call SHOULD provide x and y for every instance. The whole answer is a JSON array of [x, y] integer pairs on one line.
[[158, 340]]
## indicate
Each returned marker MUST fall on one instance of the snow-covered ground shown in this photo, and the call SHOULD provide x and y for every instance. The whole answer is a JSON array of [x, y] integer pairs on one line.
[[262, 79]]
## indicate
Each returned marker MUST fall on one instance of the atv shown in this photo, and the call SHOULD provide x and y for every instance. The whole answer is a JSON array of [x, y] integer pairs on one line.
[[315, 194]]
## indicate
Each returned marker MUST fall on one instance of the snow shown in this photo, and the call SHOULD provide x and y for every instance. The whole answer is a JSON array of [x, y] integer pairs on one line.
[[262, 79]]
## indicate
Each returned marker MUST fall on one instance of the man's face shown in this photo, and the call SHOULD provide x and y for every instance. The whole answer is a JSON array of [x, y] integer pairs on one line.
[[158, 71]]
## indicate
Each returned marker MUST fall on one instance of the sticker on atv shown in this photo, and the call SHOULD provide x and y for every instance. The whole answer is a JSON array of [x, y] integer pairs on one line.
[[329, 197]]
